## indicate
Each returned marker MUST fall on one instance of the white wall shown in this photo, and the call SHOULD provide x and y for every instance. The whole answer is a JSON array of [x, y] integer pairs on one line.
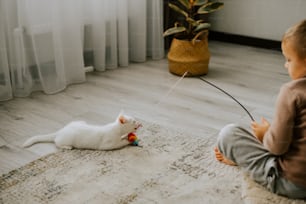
[[266, 19]]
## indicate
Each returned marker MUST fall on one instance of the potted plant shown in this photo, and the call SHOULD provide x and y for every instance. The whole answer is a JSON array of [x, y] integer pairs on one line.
[[189, 47]]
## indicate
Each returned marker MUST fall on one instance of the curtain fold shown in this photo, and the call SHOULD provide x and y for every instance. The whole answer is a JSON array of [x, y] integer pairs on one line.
[[46, 45], [5, 84]]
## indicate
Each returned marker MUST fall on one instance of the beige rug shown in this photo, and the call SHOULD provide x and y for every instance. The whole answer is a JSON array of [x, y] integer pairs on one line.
[[171, 167], [253, 193]]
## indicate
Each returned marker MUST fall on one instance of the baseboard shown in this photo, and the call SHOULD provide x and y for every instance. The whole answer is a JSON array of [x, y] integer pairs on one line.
[[245, 40]]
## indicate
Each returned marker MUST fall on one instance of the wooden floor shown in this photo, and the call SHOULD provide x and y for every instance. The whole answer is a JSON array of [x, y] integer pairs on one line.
[[252, 75]]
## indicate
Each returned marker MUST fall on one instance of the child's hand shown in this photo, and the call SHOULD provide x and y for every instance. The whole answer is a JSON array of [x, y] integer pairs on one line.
[[260, 129]]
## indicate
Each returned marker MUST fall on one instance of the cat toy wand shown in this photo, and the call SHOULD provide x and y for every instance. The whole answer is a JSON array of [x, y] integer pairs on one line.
[[211, 84], [232, 97]]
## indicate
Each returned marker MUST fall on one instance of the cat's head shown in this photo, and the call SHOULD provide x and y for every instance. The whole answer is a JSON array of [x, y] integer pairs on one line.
[[128, 124]]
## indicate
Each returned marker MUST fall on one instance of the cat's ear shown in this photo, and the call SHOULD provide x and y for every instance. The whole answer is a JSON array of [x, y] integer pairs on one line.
[[122, 119]]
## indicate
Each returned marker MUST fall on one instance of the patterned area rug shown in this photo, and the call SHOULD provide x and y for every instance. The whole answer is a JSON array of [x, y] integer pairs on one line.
[[253, 193], [171, 167]]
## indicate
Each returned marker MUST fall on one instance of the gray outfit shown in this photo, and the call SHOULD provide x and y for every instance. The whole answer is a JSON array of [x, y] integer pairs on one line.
[[242, 147]]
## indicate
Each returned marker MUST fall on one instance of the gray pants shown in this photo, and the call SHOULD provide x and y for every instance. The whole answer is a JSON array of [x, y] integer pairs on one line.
[[240, 145]]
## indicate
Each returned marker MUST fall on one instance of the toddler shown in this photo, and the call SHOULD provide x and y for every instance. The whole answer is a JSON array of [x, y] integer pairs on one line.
[[274, 155]]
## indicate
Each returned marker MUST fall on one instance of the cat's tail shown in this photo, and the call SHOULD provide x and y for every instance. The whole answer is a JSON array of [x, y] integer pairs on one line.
[[39, 138]]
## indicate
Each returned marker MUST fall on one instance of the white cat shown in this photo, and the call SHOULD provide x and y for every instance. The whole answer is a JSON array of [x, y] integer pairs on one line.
[[80, 135]]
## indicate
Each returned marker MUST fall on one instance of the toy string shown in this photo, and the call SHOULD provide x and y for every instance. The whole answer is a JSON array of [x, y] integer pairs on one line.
[[229, 96], [172, 88], [211, 84]]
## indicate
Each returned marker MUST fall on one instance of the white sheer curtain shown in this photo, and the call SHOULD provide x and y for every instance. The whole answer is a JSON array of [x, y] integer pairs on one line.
[[46, 44]]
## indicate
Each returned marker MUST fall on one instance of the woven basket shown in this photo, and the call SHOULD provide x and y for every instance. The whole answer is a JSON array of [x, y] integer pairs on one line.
[[185, 56]]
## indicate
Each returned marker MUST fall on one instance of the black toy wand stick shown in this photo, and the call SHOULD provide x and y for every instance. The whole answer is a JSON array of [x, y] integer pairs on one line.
[[229, 96]]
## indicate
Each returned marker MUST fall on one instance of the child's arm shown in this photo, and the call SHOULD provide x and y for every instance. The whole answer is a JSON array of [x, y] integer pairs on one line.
[[260, 129], [278, 137]]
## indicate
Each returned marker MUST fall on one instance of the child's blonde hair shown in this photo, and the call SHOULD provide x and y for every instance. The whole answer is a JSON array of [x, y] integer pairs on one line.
[[297, 35]]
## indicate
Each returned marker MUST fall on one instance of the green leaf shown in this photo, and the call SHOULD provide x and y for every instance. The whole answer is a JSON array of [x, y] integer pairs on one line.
[[202, 26], [200, 2], [210, 7], [199, 35], [174, 30], [200, 21], [185, 3], [177, 9], [192, 21]]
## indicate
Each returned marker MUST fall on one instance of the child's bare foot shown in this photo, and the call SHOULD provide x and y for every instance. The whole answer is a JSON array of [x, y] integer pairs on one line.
[[222, 158]]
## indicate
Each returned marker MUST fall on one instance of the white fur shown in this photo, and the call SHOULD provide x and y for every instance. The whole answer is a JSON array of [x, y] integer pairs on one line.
[[79, 134]]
